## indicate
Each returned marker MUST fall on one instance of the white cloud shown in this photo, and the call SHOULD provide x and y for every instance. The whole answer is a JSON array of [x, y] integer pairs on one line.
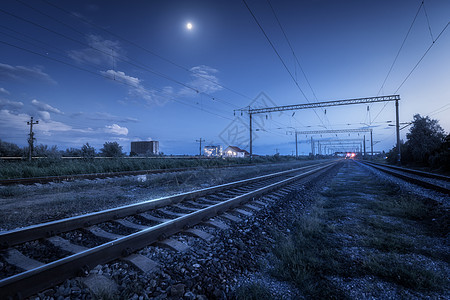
[[135, 87], [100, 51], [4, 91], [45, 107], [9, 120], [8, 72], [102, 116], [11, 105], [116, 129], [122, 77], [203, 81]]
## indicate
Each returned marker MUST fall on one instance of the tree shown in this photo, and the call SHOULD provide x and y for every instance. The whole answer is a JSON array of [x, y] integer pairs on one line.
[[424, 137], [440, 159], [72, 152], [45, 151], [111, 149], [9, 149], [87, 151]]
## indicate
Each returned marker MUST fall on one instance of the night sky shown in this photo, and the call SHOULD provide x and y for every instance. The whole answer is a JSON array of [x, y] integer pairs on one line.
[[97, 71]]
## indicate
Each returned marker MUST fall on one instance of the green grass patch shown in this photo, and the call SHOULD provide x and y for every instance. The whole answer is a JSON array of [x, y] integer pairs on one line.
[[362, 231], [394, 268], [54, 167], [253, 291], [307, 256], [400, 206]]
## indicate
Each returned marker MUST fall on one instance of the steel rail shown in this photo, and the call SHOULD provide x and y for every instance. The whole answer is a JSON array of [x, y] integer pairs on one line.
[[412, 171], [47, 179], [32, 281], [21, 235], [409, 178]]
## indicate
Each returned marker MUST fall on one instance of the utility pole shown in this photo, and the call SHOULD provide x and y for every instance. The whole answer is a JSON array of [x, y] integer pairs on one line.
[[296, 145], [371, 145], [364, 142], [251, 137], [31, 138], [200, 148], [397, 129]]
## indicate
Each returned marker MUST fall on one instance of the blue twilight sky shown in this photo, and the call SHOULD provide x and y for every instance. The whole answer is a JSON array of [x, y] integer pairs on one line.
[[97, 71]]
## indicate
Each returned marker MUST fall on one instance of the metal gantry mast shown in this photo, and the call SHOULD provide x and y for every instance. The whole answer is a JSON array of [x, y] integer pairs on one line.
[[396, 98], [310, 132]]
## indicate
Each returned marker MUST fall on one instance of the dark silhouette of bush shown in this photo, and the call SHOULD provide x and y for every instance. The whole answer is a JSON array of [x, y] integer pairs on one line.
[[111, 149]]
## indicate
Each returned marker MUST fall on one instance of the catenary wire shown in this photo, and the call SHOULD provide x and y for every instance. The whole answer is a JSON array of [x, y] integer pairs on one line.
[[128, 61], [99, 74], [278, 55], [145, 49]]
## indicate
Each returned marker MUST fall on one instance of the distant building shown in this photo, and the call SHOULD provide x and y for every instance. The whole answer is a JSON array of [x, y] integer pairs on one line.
[[145, 147], [233, 151], [213, 151]]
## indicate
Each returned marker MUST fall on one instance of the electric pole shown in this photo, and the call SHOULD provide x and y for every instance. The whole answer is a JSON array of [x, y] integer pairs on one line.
[[200, 148], [31, 138]]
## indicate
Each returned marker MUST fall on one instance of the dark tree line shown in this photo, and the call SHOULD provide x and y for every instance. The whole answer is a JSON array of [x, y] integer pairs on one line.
[[110, 149], [426, 144]]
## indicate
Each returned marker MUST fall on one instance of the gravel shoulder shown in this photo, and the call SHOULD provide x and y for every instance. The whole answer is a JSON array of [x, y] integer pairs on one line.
[[365, 238]]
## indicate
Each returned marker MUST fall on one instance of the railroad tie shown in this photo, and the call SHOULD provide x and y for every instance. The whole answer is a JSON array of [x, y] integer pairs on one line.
[[216, 224], [260, 203], [153, 218], [199, 205], [173, 244], [131, 225], [171, 213], [231, 217], [142, 262], [198, 233], [179, 206], [97, 231], [16, 258], [249, 206], [243, 212], [66, 245], [209, 201]]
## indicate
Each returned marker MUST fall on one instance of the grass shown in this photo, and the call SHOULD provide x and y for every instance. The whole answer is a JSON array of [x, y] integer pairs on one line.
[[307, 256], [392, 267], [56, 167], [351, 236], [253, 291]]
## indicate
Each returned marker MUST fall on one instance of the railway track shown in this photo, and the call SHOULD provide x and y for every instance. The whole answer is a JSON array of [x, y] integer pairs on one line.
[[47, 179], [435, 182], [117, 233]]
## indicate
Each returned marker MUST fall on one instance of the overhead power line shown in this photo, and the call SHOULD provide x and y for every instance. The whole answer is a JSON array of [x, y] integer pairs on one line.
[[423, 56], [292, 49], [279, 57], [129, 61], [296, 59], [101, 75], [400, 49], [144, 49]]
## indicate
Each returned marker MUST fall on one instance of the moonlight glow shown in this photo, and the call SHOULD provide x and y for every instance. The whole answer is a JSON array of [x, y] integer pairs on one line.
[[189, 26]]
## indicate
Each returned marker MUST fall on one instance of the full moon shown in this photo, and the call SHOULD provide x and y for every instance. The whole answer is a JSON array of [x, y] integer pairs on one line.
[[189, 26]]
